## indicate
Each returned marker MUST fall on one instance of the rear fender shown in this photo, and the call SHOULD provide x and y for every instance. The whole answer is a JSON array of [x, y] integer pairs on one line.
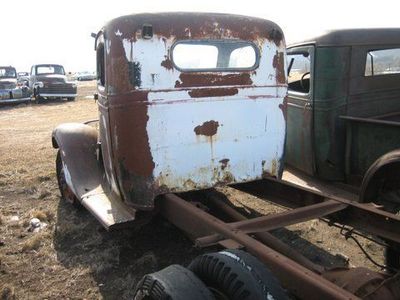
[[384, 169], [78, 143], [84, 174]]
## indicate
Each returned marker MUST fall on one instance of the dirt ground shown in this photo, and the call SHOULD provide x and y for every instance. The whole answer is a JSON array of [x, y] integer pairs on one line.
[[74, 257]]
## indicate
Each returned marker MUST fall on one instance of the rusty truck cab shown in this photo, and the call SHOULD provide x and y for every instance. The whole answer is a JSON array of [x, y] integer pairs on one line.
[[187, 101]]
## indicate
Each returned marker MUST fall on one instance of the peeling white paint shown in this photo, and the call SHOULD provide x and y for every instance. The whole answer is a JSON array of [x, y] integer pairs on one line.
[[251, 129], [243, 137]]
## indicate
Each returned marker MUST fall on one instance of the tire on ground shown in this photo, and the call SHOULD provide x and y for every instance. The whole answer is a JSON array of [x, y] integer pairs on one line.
[[65, 191], [235, 274], [392, 256], [175, 283]]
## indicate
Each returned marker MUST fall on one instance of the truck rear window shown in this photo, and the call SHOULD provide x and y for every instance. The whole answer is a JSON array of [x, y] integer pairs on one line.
[[382, 62], [215, 55]]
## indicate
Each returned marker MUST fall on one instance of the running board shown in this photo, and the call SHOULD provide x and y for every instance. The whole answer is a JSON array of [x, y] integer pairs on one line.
[[110, 211]]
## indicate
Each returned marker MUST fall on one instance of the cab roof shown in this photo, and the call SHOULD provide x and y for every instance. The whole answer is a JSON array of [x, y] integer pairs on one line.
[[355, 37], [193, 25]]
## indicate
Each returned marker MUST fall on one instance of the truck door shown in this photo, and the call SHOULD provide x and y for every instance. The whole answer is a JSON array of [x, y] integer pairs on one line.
[[299, 138], [104, 127]]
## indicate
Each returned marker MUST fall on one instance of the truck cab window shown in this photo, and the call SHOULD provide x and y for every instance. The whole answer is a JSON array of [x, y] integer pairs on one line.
[[215, 55], [382, 62], [299, 73], [100, 61]]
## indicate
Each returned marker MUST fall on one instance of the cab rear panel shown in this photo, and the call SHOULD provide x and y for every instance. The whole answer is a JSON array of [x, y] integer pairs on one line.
[[179, 130]]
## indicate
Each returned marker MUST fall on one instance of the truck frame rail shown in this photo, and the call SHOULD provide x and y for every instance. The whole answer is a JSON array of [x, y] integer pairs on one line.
[[299, 275]]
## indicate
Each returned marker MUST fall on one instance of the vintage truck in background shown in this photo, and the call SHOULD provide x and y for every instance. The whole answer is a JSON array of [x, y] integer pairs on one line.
[[188, 102], [49, 81], [343, 111], [10, 89]]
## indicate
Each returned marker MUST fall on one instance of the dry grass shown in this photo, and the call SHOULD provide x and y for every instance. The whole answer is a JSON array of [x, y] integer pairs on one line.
[[33, 243], [40, 214], [7, 293]]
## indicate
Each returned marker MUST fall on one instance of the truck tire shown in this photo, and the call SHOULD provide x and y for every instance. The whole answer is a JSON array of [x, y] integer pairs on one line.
[[237, 275], [391, 201], [392, 256], [36, 96], [66, 193], [172, 283]]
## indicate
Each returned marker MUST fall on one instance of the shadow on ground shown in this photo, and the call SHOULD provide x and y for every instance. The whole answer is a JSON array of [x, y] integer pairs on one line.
[[117, 260]]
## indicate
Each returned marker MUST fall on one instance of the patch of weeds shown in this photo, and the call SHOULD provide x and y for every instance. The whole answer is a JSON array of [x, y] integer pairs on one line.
[[44, 178], [40, 214], [8, 293], [32, 244]]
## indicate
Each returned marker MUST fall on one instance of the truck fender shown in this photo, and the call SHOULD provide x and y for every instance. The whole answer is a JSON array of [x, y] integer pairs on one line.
[[385, 168], [77, 144]]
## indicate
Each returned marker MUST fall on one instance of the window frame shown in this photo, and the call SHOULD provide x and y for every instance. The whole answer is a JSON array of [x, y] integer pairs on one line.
[[49, 66], [100, 76], [311, 50], [213, 42], [367, 55]]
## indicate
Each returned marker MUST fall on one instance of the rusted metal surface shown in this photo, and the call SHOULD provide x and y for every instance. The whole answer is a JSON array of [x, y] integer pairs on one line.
[[359, 281], [208, 128], [389, 289], [173, 130], [265, 237], [302, 282], [84, 175], [366, 284], [300, 276], [362, 216], [298, 215]]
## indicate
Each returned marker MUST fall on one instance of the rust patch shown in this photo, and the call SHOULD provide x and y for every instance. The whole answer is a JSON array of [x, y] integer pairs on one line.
[[167, 63], [279, 64], [276, 35], [212, 79], [208, 128], [284, 107], [261, 96], [202, 93], [128, 124], [198, 25], [224, 163]]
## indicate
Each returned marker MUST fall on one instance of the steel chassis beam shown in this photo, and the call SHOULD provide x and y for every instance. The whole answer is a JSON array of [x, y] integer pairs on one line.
[[299, 280], [365, 217]]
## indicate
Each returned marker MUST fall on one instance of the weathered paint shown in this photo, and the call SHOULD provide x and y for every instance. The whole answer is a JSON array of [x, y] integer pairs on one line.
[[246, 132], [340, 148], [172, 130]]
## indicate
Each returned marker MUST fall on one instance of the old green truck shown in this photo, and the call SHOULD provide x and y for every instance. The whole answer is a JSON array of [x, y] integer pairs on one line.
[[343, 111]]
